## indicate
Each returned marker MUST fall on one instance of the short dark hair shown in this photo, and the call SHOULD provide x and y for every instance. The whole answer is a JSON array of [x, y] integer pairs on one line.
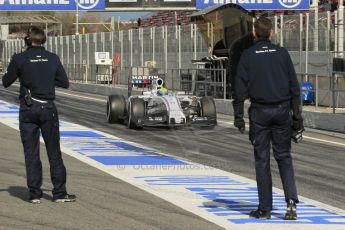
[[263, 27], [36, 35]]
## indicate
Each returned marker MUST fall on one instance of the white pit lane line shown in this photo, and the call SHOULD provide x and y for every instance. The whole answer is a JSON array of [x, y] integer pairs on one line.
[[82, 97], [215, 195], [304, 136], [59, 92]]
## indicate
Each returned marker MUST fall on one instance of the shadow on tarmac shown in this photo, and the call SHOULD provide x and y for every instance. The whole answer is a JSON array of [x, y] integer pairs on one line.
[[243, 207], [23, 193]]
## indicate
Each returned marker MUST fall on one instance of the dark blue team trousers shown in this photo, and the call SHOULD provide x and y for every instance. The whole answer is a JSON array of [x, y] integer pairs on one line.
[[271, 124], [33, 120]]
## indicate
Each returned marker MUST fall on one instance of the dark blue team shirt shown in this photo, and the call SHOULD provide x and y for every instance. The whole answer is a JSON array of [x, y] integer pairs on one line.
[[265, 74], [39, 71]]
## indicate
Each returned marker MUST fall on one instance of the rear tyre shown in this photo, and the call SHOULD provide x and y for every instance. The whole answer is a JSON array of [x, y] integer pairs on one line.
[[116, 108], [136, 113]]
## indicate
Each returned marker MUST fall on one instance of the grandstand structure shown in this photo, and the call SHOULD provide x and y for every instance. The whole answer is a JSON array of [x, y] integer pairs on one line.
[[164, 18], [167, 18], [51, 24]]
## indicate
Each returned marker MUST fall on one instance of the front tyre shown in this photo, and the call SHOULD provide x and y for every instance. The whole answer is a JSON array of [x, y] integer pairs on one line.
[[208, 107], [208, 110]]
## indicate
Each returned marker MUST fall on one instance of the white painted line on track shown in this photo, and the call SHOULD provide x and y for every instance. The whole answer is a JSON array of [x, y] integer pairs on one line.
[[304, 136], [58, 92], [325, 141], [83, 97]]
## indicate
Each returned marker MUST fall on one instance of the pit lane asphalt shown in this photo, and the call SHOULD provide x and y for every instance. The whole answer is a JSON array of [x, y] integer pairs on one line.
[[319, 167]]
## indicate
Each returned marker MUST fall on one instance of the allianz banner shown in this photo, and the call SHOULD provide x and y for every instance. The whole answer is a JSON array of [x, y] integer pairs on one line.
[[259, 4], [50, 5]]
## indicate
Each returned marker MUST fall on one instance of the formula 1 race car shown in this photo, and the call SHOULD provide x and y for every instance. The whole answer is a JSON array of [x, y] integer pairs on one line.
[[158, 108]]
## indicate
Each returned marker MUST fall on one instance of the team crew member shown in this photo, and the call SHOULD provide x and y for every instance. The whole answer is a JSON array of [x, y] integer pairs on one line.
[[39, 71], [267, 77]]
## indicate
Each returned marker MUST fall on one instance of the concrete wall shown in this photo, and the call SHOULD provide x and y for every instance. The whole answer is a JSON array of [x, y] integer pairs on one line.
[[100, 89], [97, 89]]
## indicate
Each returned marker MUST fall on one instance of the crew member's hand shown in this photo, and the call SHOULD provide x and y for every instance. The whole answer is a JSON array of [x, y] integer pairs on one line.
[[240, 124], [297, 124]]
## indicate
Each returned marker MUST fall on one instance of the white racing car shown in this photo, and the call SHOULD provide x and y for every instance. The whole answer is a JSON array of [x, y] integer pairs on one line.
[[154, 108]]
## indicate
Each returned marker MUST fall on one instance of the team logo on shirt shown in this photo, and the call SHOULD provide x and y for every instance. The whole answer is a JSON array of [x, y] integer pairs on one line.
[[290, 3]]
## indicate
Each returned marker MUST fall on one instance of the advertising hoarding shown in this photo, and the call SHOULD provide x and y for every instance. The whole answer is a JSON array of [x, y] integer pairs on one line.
[[146, 5], [50, 5], [259, 4], [150, 5]]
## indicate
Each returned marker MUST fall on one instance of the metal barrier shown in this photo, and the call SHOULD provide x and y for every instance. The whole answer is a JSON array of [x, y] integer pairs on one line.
[[174, 46], [92, 74], [338, 89], [166, 46], [329, 91], [199, 82]]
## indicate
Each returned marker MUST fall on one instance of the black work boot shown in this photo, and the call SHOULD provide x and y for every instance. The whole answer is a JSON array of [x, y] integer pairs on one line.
[[291, 211], [258, 214]]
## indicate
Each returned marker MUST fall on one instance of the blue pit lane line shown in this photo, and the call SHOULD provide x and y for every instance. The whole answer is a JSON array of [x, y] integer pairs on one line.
[[237, 201], [142, 157], [8, 112], [135, 155], [137, 160], [80, 134]]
